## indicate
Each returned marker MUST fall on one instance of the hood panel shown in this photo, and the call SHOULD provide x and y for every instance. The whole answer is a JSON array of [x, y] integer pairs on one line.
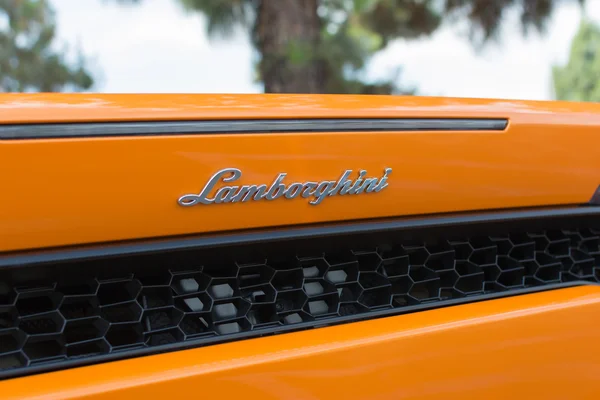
[[66, 191]]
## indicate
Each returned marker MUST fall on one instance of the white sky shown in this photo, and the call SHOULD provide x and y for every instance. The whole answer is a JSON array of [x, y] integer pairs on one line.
[[156, 47]]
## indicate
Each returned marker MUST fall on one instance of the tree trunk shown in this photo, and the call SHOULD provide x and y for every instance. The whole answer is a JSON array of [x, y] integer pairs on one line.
[[287, 35]]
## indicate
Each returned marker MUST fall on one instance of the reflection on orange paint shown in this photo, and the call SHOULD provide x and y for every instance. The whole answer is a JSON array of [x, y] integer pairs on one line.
[[75, 191], [535, 346], [77, 107]]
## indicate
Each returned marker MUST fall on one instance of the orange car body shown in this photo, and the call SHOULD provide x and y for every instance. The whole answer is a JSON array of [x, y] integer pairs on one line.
[[84, 190], [65, 192]]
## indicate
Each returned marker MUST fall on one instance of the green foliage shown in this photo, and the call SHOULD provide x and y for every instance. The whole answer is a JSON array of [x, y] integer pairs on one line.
[[371, 26], [352, 31], [486, 16], [579, 79], [27, 60], [223, 15]]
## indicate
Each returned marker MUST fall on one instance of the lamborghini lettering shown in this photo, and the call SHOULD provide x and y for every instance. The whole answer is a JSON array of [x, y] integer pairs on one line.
[[316, 191]]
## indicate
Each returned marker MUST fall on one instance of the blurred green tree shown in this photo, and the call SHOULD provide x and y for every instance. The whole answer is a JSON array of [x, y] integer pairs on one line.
[[579, 79], [322, 46], [28, 60]]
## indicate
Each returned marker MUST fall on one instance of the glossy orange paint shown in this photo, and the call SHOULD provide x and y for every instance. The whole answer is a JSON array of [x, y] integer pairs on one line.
[[74, 191], [77, 107], [537, 346]]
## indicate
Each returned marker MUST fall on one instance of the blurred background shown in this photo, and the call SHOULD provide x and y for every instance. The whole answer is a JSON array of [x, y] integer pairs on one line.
[[518, 49]]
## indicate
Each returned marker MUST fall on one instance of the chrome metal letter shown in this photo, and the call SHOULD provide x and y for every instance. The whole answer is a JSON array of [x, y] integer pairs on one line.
[[193, 199], [277, 189], [315, 191], [383, 182]]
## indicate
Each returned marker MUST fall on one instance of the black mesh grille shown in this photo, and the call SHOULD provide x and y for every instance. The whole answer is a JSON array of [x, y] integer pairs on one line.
[[108, 307]]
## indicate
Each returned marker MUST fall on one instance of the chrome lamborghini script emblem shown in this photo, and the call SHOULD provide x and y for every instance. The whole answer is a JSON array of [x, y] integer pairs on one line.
[[315, 190]]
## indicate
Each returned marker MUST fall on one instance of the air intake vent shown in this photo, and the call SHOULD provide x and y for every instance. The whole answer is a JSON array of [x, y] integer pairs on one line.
[[64, 314]]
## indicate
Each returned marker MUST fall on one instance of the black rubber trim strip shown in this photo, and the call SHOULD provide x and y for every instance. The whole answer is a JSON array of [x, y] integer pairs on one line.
[[99, 129], [81, 253], [202, 342]]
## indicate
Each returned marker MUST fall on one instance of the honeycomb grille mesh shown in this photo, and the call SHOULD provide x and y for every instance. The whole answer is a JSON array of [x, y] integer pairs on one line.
[[70, 319]]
